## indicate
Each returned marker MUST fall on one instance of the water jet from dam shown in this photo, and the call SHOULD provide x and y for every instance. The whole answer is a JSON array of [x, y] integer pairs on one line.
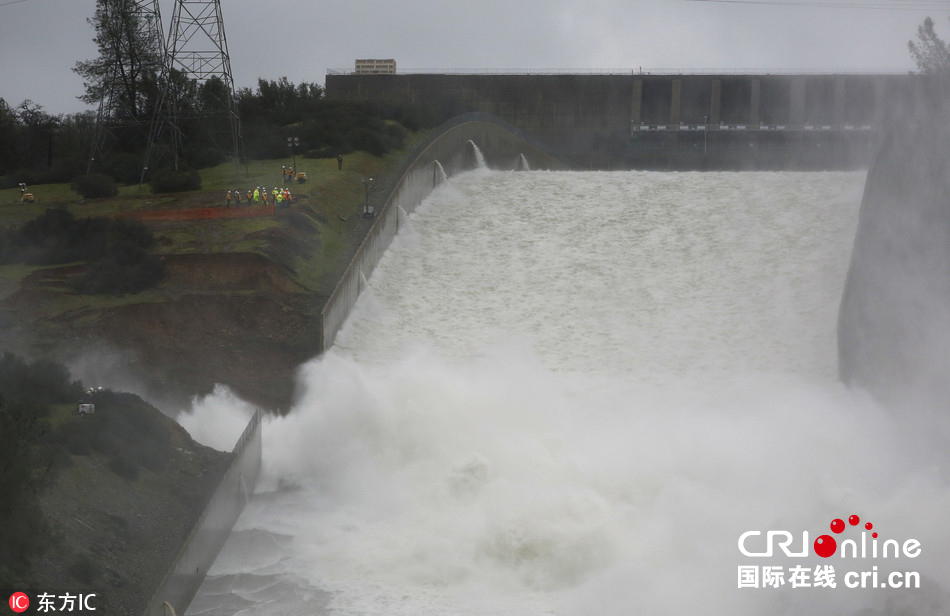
[[479, 157], [438, 173]]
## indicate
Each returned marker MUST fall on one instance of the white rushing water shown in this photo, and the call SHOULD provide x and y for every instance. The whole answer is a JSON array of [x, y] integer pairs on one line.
[[571, 393]]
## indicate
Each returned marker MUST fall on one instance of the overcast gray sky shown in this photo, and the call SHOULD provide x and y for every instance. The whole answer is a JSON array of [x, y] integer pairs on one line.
[[40, 40]]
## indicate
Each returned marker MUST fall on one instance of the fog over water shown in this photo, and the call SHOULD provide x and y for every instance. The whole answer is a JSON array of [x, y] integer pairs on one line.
[[570, 393]]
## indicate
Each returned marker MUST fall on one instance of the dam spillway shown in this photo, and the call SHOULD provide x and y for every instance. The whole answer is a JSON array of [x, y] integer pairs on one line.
[[569, 393]]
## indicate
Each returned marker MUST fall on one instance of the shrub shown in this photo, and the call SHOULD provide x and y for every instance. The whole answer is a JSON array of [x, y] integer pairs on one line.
[[171, 180], [117, 250], [94, 186], [64, 169], [46, 239], [367, 140], [265, 142], [125, 167], [326, 152], [41, 382], [202, 158], [134, 271]]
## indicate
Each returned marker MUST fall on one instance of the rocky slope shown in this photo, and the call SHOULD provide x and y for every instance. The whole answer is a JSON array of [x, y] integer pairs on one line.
[[119, 506]]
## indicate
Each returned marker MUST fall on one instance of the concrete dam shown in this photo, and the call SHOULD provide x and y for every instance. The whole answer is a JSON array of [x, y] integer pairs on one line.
[[672, 121]]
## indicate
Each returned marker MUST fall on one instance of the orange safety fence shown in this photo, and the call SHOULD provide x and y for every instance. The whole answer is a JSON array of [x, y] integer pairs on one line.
[[203, 213]]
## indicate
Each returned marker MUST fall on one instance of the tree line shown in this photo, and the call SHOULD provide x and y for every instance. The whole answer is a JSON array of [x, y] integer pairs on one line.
[[126, 81], [38, 147]]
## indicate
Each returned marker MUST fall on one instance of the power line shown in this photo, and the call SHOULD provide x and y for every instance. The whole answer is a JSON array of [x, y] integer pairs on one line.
[[892, 5], [11, 2]]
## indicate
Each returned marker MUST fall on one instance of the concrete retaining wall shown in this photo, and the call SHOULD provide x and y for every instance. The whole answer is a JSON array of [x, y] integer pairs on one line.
[[502, 146], [211, 530]]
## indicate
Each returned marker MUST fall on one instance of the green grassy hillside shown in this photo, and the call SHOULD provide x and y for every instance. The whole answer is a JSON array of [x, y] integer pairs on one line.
[[239, 298]]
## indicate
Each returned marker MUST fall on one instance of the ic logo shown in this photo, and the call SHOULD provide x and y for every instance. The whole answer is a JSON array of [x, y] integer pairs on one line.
[[19, 602]]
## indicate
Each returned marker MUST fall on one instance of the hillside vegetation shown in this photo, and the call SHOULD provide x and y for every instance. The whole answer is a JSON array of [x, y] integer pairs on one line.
[[170, 307], [102, 502], [98, 502]]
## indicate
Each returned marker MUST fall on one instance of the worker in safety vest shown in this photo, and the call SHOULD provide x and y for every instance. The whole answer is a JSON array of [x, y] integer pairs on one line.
[[237, 195], [257, 194], [227, 200]]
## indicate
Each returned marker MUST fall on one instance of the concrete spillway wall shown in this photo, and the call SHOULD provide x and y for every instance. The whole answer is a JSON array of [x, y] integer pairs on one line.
[[209, 533], [894, 322], [676, 121], [451, 150]]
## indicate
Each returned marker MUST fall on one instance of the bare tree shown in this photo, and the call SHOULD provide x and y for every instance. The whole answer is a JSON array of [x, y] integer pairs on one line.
[[931, 53], [129, 59]]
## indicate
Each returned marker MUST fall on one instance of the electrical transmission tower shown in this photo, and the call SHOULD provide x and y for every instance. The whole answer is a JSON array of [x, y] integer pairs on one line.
[[118, 119], [196, 53]]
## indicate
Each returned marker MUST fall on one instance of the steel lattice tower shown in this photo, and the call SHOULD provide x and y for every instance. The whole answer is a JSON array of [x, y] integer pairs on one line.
[[115, 114], [196, 49]]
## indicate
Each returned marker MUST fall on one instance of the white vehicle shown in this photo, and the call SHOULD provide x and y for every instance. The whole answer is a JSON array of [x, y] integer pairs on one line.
[[85, 409]]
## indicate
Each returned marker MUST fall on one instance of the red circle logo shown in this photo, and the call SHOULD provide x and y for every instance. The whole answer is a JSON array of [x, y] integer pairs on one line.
[[19, 602], [825, 546]]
